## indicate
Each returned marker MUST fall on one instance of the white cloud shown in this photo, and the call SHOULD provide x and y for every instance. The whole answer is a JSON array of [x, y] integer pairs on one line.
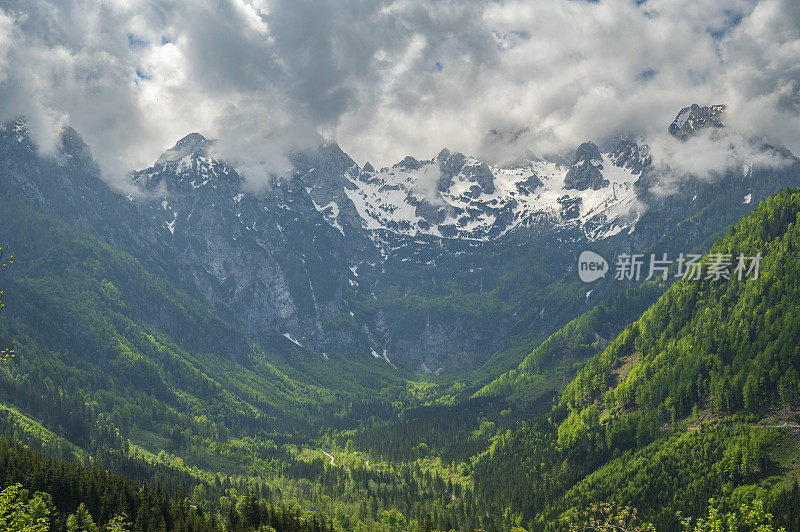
[[426, 184], [709, 154], [391, 78]]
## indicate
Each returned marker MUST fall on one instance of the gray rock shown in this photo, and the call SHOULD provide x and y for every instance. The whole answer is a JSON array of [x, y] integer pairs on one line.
[[627, 153], [450, 165], [570, 207], [584, 172], [529, 185], [409, 163], [482, 174], [694, 119]]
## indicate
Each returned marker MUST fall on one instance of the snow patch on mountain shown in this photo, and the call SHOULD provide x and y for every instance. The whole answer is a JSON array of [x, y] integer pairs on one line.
[[450, 196], [390, 199]]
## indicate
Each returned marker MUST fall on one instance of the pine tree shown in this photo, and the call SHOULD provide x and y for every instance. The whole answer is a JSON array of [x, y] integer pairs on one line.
[[6, 354]]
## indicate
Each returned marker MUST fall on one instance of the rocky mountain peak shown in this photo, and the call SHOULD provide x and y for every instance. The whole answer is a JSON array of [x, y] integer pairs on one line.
[[72, 148], [694, 118], [187, 167], [450, 165], [326, 160], [628, 153], [408, 163], [191, 144], [588, 151], [481, 174], [71, 144], [584, 172]]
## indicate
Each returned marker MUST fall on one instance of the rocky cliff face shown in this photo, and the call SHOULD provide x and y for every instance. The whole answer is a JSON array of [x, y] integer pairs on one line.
[[360, 261], [68, 184], [585, 171], [278, 259], [694, 118]]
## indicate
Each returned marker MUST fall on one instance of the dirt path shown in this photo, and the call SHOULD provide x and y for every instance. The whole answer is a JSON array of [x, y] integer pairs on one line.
[[329, 456], [782, 425], [333, 462]]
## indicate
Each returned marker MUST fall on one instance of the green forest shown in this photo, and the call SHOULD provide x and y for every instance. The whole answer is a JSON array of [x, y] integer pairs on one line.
[[127, 404]]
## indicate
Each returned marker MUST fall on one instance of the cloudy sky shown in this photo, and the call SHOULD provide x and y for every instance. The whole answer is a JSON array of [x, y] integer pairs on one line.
[[387, 79]]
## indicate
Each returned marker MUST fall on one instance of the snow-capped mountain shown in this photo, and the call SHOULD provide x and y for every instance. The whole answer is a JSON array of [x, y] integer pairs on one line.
[[283, 266], [456, 196], [451, 195], [429, 263], [694, 118]]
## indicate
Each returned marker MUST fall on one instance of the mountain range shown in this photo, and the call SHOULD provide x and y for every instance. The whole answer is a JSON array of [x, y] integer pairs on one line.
[[338, 258], [404, 348]]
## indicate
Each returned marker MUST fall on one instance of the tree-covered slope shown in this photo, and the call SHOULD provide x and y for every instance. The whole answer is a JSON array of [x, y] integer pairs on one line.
[[734, 343], [104, 345], [41, 494], [571, 345], [688, 220], [627, 428]]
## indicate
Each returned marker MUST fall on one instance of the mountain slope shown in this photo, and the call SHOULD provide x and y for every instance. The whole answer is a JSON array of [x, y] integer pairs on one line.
[[708, 348], [236, 335], [689, 220], [441, 265], [100, 337], [743, 332]]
